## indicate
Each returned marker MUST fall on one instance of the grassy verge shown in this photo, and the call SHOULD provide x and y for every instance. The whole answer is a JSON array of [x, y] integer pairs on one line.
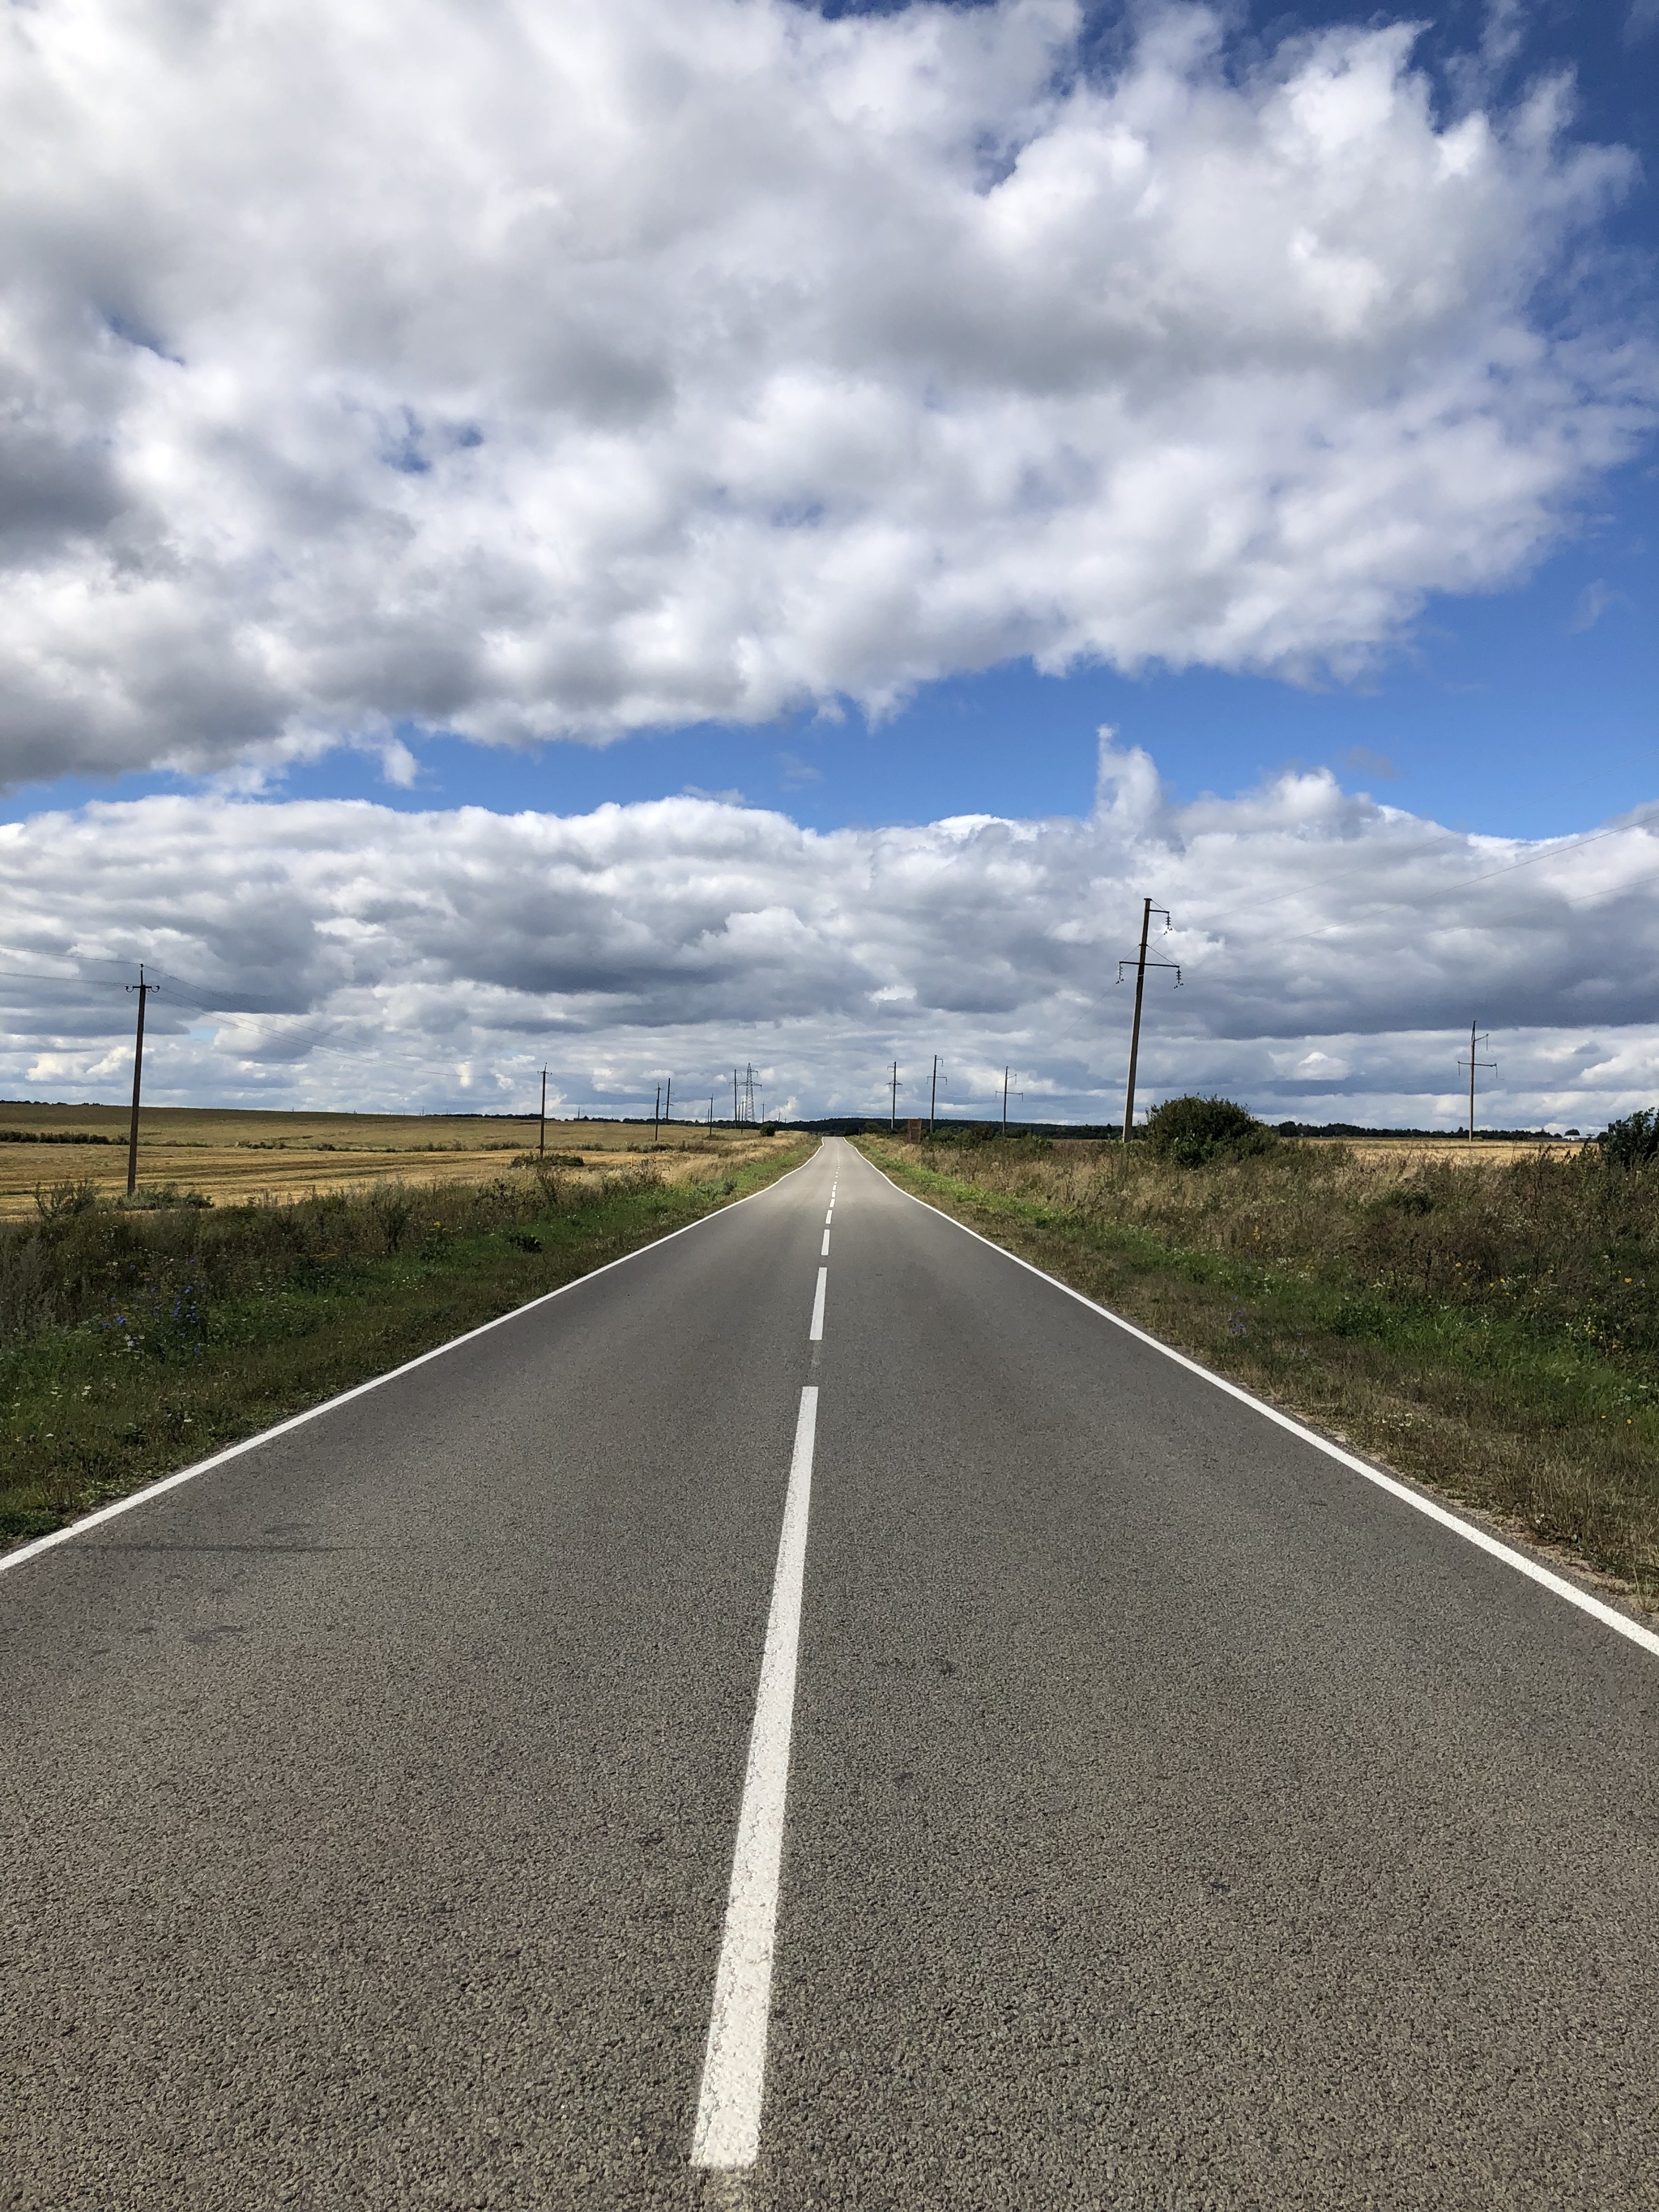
[[1486, 1332], [134, 1342]]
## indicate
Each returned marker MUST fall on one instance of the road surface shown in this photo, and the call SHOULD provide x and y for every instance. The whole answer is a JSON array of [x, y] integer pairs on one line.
[[395, 1812]]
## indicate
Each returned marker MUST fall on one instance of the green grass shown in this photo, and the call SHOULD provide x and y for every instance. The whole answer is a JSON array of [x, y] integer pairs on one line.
[[1488, 1332], [135, 1342]]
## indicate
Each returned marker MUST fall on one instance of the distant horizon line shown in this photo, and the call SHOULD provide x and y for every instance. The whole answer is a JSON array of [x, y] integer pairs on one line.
[[819, 1121]]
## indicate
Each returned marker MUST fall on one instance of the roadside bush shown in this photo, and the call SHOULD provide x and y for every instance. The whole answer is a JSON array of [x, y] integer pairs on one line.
[[78, 1264], [57, 1201], [1632, 1142], [969, 1136], [1554, 1243], [395, 1205], [1191, 1131]]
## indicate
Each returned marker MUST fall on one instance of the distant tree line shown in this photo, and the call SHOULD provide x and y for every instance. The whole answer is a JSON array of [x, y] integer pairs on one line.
[[55, 1137]]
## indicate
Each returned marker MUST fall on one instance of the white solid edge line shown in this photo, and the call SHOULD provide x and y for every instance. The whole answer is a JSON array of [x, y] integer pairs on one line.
[[1607, 1615], [38, 1544], [727, 2129], [815, 1334]]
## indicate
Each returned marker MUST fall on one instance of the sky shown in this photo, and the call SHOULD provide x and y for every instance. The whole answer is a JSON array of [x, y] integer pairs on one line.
[[643, 535]]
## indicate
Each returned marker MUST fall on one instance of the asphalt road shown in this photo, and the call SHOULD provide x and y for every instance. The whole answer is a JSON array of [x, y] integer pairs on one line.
[[1173, 1819]]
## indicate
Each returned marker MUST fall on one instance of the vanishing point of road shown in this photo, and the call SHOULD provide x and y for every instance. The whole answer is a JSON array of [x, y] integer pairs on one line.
[[816, 1715]]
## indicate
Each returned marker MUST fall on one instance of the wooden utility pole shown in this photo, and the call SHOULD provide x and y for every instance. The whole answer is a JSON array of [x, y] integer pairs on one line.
[[1142, 964], [1475, 1043], [143, 989], [541, 1137], [892, 1119], [933, 1099]]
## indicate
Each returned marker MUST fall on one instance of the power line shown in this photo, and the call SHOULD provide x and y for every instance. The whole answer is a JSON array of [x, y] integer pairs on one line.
[[1640, 821]]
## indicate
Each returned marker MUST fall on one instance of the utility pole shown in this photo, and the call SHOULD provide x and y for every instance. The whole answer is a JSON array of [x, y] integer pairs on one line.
[[892, 1122], [541, 1138], [1007, 1072], [1142, 964], [1475, 1043], [932, 1100], [656, 1119], [143, 989], [735, 1098]]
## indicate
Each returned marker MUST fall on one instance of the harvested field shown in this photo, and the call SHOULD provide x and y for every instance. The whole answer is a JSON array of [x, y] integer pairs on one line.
[[237, 1156], [1406, 1152]]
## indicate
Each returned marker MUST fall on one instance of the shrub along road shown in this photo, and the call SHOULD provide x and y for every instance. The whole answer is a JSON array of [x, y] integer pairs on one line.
[[1174, 1817]]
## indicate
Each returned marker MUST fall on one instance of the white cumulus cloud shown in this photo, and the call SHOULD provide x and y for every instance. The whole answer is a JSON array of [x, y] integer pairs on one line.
[[563, 367], [338, 953]]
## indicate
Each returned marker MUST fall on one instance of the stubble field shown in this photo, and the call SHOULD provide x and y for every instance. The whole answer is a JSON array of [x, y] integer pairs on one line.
[[235, 1156]]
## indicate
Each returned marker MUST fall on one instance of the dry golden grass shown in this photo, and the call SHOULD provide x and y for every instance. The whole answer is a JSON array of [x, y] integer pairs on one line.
[[1448, 1151], [238, 1154]]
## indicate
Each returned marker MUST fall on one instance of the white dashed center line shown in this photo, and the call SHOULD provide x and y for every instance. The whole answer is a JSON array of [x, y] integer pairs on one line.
[[727, 2131], [727, 2134]]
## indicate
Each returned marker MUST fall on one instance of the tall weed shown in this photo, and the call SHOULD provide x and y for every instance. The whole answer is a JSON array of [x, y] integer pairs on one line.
[[79, 1266]]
